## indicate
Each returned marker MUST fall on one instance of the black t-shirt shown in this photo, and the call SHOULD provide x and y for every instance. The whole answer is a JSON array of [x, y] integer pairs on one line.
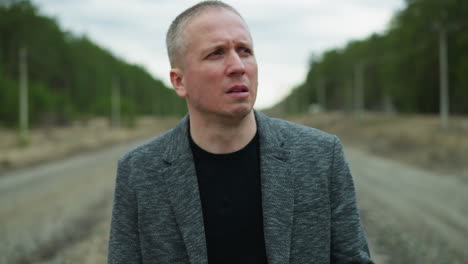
[[231, 201]]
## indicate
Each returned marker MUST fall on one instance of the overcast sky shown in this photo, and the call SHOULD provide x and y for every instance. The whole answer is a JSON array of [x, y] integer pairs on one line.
[[285, 33]]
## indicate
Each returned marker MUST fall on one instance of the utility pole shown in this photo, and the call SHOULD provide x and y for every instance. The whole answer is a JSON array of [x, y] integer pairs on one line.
[[115, 103], [359, 88], [349, 105], [298, 100], [23, 96], [321, 94], [444, 85], [154, 104]]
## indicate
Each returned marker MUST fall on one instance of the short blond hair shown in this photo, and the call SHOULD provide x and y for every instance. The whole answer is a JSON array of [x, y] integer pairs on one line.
[[174, 38]]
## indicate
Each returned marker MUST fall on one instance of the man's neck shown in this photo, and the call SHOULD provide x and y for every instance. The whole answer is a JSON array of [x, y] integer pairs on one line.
[[223, 135]]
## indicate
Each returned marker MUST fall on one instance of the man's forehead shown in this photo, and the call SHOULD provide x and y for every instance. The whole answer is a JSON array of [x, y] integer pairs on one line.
[[205, 21], [208, 23]]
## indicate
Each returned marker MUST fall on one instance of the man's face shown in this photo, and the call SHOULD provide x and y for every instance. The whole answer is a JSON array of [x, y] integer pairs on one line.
[[219, 72]]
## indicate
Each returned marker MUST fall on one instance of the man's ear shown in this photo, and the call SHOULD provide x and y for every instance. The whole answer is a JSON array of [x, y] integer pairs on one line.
[[177, 80]]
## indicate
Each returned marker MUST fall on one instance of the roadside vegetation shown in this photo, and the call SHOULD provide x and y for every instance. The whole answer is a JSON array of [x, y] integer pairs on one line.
[[413, 139]]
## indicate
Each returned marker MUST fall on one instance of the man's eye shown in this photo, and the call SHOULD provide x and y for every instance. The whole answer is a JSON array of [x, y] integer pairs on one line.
[[215, 54], [245, 51]]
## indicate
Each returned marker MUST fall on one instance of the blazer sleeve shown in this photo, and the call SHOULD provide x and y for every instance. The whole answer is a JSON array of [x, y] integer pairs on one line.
[[348, 239], [124, 243]]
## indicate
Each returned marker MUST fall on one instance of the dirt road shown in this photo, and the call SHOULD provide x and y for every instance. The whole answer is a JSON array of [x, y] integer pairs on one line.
[[60, 212], [411, 215], [47, 212]]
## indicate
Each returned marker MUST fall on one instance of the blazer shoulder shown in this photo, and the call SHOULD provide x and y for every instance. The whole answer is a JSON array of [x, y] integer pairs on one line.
[[149, 151], [303, 135]]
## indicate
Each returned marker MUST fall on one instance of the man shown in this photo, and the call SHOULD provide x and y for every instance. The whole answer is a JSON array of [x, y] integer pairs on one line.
[[229, 184]]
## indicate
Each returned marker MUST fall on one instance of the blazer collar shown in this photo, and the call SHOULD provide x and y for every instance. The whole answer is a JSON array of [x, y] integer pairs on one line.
[[277, 194]]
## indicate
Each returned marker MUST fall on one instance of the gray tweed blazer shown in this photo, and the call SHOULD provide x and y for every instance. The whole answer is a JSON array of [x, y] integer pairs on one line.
[[309, 207]]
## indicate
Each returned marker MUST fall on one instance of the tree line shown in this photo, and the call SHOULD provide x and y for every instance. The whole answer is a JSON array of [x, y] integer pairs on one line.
[[398, 70], [69, 76]]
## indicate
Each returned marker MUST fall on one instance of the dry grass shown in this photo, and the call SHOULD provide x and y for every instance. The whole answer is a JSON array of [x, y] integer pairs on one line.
[[56, 143], [414, 139]]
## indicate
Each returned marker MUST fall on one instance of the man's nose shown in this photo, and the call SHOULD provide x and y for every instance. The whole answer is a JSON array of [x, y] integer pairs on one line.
[[235, 64]]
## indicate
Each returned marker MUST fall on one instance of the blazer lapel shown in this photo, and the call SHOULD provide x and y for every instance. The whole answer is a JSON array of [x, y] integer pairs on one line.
[[181, 179], [277, 192]]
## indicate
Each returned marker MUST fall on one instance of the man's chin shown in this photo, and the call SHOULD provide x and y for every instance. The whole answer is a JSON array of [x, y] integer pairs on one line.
[[240, 112]]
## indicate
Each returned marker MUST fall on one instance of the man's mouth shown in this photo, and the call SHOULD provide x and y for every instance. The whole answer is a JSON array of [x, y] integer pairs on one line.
[[238, 89]]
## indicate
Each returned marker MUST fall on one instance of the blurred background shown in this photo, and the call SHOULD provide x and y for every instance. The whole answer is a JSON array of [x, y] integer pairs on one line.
[[81, 82]]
